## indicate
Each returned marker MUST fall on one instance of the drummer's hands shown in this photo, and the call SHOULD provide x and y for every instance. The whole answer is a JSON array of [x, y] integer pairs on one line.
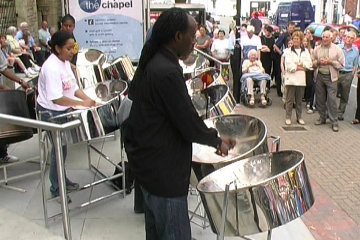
[[226, 145], [25, 85]]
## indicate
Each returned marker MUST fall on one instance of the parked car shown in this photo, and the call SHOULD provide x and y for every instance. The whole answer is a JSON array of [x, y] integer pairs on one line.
[[319, 28]]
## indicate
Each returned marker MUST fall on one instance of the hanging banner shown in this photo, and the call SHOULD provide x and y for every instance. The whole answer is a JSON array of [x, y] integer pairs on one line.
[[114, 27]]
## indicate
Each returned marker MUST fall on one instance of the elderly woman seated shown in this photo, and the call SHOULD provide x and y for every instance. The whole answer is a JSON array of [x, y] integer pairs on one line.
[[253, 71]]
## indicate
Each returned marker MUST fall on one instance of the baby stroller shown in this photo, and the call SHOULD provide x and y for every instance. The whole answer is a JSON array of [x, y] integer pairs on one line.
[[256, 77]]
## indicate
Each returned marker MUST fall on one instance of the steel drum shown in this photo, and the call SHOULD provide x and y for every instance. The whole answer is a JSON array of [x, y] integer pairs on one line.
[[213, 101], [13, 102], [120, 68], [192, 64], [250, 134], [96, 121], [265, 191], [89, 67], [207, 77]]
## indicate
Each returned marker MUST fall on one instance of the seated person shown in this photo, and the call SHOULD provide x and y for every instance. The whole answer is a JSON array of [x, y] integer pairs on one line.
[[11, 59], [16, 49], [254, 71]]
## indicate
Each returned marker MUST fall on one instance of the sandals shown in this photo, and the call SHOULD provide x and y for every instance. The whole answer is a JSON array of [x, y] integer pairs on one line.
[[355, 121]]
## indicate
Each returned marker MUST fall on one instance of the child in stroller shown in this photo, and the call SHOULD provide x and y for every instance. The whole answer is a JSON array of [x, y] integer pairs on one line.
[[253, 71]]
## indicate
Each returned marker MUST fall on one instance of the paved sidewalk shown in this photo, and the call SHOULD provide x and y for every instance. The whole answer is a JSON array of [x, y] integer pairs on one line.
[[332, 160]]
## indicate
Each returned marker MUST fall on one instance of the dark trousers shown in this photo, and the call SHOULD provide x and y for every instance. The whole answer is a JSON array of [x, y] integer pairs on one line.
[[309, 89], [3, 150], [26, 60], [277, 73], [357, 113], [166, 218]]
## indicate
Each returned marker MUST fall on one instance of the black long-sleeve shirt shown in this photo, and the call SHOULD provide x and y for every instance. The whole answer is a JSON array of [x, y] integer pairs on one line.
[[161, 127]]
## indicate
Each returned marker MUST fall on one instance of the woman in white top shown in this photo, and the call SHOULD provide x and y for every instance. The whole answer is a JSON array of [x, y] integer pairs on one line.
[[297, 61], [59, 93]]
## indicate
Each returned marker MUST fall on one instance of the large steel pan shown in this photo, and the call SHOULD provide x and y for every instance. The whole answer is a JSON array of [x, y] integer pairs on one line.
[[193, 63], [250, 134], [214, 101], [205, 78], [96, 121], [13, 102], [265, 191], [89, 67]]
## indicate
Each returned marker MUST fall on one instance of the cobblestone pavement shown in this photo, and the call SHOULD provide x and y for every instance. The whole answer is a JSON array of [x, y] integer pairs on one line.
[[332, 160]]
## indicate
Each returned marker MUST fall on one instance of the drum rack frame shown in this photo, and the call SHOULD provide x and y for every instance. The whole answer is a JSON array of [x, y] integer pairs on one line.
[[56, 130]]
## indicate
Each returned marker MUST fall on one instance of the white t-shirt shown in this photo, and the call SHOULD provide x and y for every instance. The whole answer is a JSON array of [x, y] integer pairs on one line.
[[221, 47], [56, 80]]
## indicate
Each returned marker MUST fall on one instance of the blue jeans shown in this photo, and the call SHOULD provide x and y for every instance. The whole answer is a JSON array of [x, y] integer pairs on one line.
[[45, 114], [166, 218]]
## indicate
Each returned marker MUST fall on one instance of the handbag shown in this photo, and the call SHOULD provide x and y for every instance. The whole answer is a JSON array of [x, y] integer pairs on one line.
[[296, 78]]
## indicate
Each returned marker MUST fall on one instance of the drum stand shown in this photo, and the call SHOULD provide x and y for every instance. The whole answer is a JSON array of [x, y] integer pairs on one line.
[[199, 211], [220, 235], [103, 179]]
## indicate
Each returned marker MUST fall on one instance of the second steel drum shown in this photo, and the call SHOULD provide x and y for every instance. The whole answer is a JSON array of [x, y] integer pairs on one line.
[[96, 121], [265, 191], [250, 134]]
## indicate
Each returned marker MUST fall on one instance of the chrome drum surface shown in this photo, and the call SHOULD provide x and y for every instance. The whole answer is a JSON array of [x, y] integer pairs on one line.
[[266, 191], [250, 134]]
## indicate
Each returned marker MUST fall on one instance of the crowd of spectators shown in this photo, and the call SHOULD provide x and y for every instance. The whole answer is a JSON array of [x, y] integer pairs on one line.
[[22, 51]]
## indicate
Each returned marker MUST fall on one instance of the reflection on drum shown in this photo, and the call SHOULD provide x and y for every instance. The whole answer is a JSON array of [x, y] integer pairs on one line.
[[265, 191], [97, 121], [250, 134], [214, 101]]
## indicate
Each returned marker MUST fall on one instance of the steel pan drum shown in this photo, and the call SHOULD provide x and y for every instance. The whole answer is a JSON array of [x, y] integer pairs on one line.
[[214, 101], [89, 67], [250, 134], [193, 63], [13, 102], [96, 121], [266, 191]]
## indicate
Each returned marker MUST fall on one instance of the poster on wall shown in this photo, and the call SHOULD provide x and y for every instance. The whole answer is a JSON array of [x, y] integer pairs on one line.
[[114, 27]]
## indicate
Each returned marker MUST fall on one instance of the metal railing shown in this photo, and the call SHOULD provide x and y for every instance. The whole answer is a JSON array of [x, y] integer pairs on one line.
[[218, 62], [56, 130]]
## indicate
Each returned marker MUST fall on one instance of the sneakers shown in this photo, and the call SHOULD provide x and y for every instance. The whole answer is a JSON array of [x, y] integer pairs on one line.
[[8, 159], [288, 122], [58, 200], [36, 68], [31, 71], [320, 121]]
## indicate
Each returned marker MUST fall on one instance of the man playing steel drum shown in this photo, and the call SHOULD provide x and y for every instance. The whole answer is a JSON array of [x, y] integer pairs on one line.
[[162, 126]]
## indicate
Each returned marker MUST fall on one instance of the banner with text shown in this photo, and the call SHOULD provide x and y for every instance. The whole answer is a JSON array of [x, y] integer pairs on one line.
[[112, 26]]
